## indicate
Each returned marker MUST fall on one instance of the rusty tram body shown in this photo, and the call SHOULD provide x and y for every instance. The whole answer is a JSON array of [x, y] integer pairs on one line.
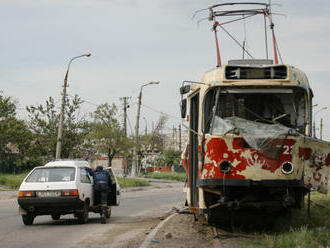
[[250, 141]]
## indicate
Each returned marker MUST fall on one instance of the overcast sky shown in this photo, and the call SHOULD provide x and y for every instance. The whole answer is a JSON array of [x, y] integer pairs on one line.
[[135, 41]]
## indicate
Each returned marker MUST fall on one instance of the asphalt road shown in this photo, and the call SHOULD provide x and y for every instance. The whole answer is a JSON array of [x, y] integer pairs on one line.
[[67, 232]]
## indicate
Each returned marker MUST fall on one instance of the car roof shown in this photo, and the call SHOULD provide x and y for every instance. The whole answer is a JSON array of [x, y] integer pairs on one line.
[[75, 163]]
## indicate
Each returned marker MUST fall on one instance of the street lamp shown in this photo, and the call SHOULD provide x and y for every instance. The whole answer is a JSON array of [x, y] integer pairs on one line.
[[314, 131], [135, 159], [60, 126]]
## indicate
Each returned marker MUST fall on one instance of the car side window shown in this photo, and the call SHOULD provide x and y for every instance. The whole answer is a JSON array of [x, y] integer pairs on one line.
[[84, 178]]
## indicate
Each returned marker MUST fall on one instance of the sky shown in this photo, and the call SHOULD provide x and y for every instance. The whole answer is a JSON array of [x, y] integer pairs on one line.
[[133, 42]]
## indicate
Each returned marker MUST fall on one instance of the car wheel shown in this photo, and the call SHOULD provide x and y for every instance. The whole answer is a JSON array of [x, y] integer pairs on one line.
[[56, 216], [108, 213], [27, 219], [83, 215]]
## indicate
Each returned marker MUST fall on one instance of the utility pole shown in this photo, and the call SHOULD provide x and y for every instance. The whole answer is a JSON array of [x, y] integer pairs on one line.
[[173, 138], [135, 154], [321, 128], [126, 106], [314, 128], [180, 141], [146, 127], [60, 125]]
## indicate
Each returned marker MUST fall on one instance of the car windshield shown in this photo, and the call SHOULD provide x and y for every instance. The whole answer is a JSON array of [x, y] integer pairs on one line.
[[63, 174]]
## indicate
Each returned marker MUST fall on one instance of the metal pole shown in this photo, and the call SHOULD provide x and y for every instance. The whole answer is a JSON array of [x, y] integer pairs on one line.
[[146, 127], [314, 131], [135, 154], [180, 141], [60, 126], [321, 128], [314, 126], [125, 98]]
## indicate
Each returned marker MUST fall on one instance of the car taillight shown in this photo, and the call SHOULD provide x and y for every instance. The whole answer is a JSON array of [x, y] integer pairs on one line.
[[70, 192], [26, 194]]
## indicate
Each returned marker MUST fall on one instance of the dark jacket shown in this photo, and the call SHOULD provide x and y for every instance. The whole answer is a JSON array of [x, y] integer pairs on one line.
[[100, 175]]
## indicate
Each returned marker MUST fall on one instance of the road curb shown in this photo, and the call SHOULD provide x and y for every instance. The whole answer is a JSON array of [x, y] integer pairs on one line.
[[151, 235]]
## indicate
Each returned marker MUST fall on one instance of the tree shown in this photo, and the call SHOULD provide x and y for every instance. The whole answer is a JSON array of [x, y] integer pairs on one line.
[[154, 141], [107, 134], [169, 157], [15, 137], [44, 120]]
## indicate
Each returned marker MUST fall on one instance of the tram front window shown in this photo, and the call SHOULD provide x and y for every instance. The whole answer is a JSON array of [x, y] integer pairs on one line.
[[285, 106]]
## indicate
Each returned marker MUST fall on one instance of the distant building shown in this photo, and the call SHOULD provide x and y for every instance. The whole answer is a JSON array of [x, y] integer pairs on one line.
[[119, 164], [173, 139]]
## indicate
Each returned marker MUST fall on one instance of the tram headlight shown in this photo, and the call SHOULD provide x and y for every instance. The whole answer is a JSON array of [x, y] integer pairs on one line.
[[225, 166], [287, 168]]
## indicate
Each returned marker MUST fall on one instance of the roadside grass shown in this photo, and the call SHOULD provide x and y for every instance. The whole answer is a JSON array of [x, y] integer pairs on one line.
[[12, 181], [297, 230], [132, 182], [166, 175]]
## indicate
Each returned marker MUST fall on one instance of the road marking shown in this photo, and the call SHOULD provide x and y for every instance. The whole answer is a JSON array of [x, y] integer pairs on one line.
[[151, 235]]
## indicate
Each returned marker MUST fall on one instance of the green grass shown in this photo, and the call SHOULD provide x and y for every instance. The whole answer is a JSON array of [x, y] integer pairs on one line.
[[299, 231], [166, 175], [12, 181], [132, 182]]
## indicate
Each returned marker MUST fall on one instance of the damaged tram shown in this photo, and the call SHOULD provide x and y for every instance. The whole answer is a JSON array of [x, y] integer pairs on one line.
[[250, 139]]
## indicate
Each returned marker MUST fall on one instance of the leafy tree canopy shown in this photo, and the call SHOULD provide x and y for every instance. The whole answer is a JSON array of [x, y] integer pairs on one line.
[[169, 157], [44, 120], [107, 134], [15, 137]]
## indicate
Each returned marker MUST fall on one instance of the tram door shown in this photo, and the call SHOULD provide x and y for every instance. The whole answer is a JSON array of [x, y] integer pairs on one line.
[[194, 106]]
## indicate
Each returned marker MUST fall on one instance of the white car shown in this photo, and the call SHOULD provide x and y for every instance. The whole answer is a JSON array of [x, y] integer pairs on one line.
[[62, 187]]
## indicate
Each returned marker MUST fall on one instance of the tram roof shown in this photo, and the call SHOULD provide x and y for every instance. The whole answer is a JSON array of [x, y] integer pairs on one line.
[[238, 74]]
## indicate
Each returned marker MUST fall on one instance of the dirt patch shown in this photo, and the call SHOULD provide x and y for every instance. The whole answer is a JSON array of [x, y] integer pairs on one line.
[[183, 231], [125, 233], [5, 195]]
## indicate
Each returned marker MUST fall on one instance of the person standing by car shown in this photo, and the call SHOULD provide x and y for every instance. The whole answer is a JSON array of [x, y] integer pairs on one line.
[[102, 182]]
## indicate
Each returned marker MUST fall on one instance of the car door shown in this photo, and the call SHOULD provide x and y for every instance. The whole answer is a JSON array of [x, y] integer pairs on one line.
[[114, 194], [86, 186]]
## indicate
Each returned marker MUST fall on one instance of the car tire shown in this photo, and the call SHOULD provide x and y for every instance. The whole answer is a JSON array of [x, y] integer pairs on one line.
[[56, 216], [28, 219], [108, 213], [83, 214]]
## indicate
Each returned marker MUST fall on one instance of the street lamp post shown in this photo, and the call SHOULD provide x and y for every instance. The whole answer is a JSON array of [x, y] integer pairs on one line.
[[314, 128], [146, 128], [135, 155], [60, 125]]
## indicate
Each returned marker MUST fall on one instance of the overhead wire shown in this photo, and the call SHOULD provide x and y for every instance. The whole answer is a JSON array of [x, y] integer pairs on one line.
[[236, 41]]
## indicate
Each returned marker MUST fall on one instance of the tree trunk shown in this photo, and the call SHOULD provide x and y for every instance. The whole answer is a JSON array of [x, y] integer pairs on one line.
[[110, 157]]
